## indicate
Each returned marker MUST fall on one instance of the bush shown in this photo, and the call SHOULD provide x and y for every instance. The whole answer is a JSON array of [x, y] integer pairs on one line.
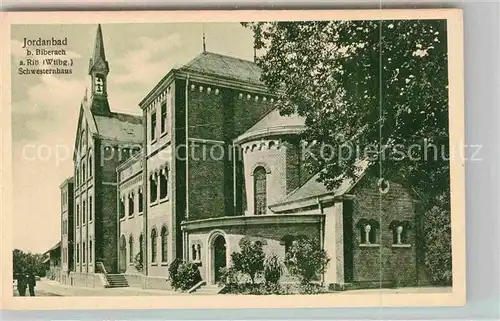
[[437, 238], [273, 269], [250, 261], [306, 260], [183, 275], [138, 262], [229, 276]]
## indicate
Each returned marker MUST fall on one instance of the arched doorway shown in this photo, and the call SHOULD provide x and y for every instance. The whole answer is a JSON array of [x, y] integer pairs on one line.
[[219, 257], [123, 254]]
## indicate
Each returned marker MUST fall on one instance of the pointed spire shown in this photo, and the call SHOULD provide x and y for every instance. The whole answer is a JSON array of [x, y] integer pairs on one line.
[[99, 46]]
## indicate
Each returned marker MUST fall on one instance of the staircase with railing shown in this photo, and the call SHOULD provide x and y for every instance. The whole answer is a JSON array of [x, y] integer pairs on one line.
[[112, 280]]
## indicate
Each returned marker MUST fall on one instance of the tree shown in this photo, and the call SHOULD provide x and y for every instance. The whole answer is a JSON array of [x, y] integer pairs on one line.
[[374, 88], [369, 90], [250, 261], [25, 262], [306, 260]]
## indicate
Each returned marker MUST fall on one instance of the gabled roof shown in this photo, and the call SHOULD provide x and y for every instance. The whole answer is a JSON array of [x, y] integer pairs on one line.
[[274, 123], [55, 247], [118, 126], [219, 65], [313, 189]]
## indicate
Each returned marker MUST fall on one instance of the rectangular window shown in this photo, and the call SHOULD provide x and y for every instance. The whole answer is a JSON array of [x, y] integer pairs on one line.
[[90, 165], [84, 213], [78, 253], [163, 117], [77, 215], [84, 252], [90, 208], [153, 126]]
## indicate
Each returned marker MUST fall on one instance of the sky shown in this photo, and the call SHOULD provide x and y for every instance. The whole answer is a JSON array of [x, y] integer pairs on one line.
[[45, 107]]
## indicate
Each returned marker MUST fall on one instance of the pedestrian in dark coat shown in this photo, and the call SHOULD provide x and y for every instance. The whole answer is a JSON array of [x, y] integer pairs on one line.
[[21, 284], [31, 283]]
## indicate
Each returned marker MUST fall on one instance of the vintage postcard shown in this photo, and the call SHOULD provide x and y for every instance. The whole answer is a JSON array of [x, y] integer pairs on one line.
[[232, 159]]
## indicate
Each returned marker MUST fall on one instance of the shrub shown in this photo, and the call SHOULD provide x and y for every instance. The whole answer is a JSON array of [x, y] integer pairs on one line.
[[437, 238], [250, 261], [306, 260], [229, 276], [138, 262], [273, 269], [184, 275]]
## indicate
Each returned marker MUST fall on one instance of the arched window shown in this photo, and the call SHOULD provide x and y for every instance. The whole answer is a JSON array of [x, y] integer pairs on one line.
[[122, 208], [193, 252], [153, 187], [260, 190], [198, 250], [164, 257], [131, 204], [400, 232], [154, 244], [140, 201], [131, 249], [163, 183], [368, 230], [90, 165], [141, 246], [84, 212]]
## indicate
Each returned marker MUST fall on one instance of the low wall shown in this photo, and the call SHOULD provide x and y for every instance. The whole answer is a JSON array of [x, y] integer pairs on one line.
[[89, 280]]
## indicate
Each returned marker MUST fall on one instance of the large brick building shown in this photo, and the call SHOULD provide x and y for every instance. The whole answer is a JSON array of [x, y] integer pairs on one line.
[[210, 162]]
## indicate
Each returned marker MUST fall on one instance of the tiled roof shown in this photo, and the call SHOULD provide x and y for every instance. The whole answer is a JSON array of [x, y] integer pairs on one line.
[[225, 66], [275, 120], [313, 188], [120, 126]]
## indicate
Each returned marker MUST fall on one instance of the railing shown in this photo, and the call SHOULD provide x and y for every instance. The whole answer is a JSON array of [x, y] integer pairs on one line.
[[101, 268]]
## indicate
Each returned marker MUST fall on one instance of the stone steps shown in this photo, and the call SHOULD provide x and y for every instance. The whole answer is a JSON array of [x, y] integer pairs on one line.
[[116, 281]]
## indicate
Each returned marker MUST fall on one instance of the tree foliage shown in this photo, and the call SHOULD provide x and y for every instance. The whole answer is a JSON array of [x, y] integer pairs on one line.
[[250, 261], [376, 87], [26, 262], [306, 260]]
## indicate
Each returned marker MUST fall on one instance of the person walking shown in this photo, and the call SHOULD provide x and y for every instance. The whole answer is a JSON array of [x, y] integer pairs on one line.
[[21, 284], [31, 283]]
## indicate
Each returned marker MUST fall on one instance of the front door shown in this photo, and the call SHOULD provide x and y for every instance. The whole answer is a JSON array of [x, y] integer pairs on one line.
[[219, 256]]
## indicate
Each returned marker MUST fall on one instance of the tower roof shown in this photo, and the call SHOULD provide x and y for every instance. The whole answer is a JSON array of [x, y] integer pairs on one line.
[[99, 45], [98, 59]]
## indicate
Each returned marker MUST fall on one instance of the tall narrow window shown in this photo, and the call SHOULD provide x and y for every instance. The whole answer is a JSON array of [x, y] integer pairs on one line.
[[77, 215], [153, 187], [140, 200], [90, 165], [141, 247], [84, 213], [90, 251], [83, 253], [122, 208], [153, 245], [260, 190], [131, 204], [90, 208], [164, 234], [153, 126], [78, 253], [77, 177], [163, 183], [131, 249], [163, 117], [83, 174]]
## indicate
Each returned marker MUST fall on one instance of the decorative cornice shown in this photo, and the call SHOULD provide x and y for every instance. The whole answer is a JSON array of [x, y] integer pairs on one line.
[[231, 221]]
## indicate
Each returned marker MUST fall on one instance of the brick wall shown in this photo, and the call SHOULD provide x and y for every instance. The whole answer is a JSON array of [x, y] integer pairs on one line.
[[384, 262]]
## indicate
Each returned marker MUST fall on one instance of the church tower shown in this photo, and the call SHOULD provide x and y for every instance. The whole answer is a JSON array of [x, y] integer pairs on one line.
[[98, 71]]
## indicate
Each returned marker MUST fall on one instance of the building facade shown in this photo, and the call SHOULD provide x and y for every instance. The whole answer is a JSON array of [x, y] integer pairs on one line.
[[212, 162], [67, 230]]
